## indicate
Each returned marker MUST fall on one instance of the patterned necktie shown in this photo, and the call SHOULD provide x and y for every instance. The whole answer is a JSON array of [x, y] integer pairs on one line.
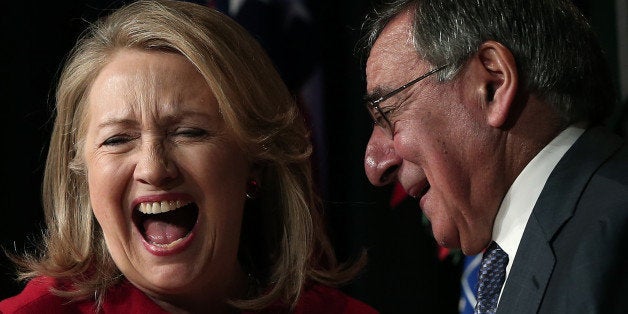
[[492, 275]]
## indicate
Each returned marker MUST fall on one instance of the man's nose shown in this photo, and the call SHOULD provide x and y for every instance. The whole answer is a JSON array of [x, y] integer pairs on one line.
[[155, 165], [381, 162]]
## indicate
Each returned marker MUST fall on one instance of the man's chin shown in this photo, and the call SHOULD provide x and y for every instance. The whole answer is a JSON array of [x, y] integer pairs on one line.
[[445, 237], [474, 247]]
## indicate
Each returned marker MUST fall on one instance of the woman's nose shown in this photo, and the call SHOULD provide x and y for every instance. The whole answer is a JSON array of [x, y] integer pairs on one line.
[[155, 166], [380, 159]]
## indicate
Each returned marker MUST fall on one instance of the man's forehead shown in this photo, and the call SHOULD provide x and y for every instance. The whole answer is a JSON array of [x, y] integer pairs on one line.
[[393, 50]]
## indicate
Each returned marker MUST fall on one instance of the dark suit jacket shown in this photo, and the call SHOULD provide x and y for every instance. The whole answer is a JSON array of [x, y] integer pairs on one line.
[[573, 254]]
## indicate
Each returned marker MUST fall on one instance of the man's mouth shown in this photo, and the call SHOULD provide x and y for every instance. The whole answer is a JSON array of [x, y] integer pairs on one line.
[[165, 223], [424, 190]]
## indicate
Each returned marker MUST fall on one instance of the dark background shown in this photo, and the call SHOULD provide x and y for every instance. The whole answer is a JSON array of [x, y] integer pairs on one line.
[[404, 275]]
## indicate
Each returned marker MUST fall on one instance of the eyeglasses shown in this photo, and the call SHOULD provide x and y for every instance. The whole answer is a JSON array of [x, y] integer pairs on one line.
[[379, 116]]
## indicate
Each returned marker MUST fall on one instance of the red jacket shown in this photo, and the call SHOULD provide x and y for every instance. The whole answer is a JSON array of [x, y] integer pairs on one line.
[[126, 298]]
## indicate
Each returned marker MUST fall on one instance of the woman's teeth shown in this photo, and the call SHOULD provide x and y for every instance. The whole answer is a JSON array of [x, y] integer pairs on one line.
[[160, 207]]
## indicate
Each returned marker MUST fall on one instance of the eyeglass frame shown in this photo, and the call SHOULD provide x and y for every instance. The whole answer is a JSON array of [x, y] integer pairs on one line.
[[372, 105]]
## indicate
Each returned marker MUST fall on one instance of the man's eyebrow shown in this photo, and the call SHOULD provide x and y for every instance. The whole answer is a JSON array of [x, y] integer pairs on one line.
[[377, 93]]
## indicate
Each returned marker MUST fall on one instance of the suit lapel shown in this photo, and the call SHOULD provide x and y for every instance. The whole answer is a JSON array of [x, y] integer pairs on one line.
[[535, 260]]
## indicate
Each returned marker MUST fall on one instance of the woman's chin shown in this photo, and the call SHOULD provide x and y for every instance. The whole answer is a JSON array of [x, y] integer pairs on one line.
[[179, 270], [166, 278]]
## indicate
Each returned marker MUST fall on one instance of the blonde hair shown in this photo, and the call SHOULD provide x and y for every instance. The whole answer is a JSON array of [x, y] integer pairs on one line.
[[286, 250]]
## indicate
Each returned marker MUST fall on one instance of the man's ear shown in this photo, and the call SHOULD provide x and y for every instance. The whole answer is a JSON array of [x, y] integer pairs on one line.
[[501, 81]]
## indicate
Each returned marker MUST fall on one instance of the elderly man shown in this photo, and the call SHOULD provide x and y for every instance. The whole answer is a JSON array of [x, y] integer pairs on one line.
[[490, 113]]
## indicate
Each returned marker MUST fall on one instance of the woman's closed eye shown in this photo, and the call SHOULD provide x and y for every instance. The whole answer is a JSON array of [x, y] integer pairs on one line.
[[118, 139], [176, 135], [190, 133]]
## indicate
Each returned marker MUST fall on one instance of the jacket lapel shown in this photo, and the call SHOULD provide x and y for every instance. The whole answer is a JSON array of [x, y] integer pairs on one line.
[[535, 260]]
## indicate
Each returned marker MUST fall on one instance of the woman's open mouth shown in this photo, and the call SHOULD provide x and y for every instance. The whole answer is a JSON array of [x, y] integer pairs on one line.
[[166, 226]]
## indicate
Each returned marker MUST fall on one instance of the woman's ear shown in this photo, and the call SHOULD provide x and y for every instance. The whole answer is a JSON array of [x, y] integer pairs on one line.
[[500, 83]]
